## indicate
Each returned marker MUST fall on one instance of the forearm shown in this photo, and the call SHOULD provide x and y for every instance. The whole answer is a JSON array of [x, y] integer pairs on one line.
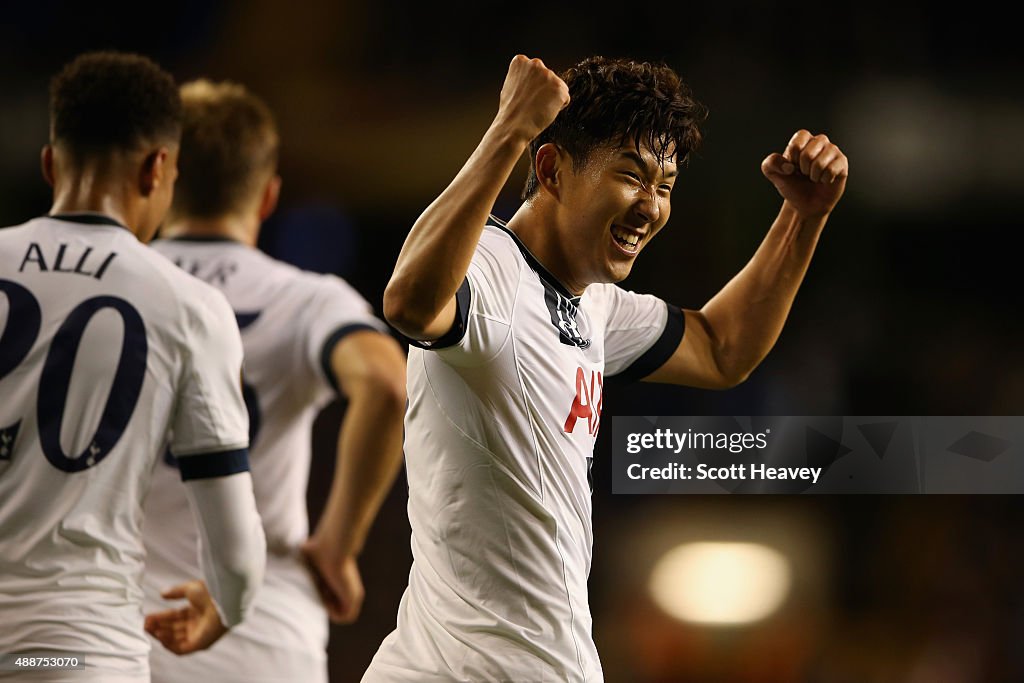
[[744, 320], [436, 254], [368, 459], [233, 547]]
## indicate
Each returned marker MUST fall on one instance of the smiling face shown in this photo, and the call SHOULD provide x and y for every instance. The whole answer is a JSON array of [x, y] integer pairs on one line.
[[614, 205], [599, 187]]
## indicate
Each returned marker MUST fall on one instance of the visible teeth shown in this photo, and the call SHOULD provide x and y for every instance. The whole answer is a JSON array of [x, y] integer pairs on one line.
[[627, 238]]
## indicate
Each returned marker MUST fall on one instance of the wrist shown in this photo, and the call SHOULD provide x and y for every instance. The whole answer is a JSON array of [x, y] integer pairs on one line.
[[804, 217], [506, 132], [337, 544]]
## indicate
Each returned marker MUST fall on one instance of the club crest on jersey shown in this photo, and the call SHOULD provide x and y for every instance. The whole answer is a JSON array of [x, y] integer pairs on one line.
[[8, 435], [563, 316]]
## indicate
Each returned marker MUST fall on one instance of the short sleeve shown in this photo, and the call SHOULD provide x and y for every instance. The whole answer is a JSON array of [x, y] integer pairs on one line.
[[210, 415], [484, 302], [333, 311], [641, 334]]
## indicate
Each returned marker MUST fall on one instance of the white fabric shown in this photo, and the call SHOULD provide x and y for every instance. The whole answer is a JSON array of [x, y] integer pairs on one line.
[[70, 542], [231, 537], [499, 500], [288, 316]]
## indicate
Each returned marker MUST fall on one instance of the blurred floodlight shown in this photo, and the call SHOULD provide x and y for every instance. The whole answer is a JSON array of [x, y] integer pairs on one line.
[[721, 583], [911, 146], [916, 147]]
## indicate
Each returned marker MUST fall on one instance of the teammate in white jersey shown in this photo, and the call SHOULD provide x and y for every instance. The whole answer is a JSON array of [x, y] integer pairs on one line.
[[521, 327], [306, 336], [107, 353]]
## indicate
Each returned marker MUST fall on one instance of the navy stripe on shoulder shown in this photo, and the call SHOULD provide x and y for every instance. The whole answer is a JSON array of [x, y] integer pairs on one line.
[[209, 465], [659, 353], [458, 329], [328, 348], [538, 267]]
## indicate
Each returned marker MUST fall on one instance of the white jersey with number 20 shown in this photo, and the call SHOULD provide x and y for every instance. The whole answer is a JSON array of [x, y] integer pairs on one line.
[[107, 351]]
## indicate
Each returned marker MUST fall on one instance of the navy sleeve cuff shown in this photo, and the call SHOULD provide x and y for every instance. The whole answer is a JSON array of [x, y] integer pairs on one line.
[[656, 356], [458, 329], [209, 465]]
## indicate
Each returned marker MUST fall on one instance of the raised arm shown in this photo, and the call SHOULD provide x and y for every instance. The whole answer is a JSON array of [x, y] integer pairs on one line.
[[731, 335], [420, 298], [370, 370]]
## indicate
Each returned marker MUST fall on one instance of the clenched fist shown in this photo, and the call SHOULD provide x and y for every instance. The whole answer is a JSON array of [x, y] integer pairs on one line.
[[810, 174], [531, 97]]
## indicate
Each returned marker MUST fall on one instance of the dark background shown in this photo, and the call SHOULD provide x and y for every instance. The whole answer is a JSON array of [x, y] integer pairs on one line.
[[911, 307]]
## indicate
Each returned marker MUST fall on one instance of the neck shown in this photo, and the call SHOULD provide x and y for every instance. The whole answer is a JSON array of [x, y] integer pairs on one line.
[[536, 228], [88, 193], [242, 228]]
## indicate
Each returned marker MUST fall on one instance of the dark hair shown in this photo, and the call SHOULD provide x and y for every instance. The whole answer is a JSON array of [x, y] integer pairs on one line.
[[112, 101], [616, 100], [229, 146]]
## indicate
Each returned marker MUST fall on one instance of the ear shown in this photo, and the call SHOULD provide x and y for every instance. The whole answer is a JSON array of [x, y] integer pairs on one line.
[[46, 162], [549, 165], [155, 171], [268, 201]]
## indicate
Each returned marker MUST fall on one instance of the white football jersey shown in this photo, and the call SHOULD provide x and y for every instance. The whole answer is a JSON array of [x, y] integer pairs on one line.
[[290, 321], [107, 352], [500, 431]]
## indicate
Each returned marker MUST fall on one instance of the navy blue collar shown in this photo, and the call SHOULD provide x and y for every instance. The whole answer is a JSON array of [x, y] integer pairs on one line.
[[537, 266], [88, 219], [200, 238]]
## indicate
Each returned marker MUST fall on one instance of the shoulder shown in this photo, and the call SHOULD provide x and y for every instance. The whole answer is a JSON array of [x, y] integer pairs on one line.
[[14, 232], [314, 293], [602, 297], [498, 241], [625, 310], [609, 295], [199, 303], [183, 285], [498, 260], [323, 284], [18, 236]]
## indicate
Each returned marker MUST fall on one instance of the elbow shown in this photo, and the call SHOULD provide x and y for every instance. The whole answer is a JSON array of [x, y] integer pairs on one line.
[[402, 313], [733, 369], [378, 379], [733, 379], [395, 306], [387, 386]]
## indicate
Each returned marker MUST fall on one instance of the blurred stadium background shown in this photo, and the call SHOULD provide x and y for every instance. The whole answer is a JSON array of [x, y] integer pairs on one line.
[[912, 305]]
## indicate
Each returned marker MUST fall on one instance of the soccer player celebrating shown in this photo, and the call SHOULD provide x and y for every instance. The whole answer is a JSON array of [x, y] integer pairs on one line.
[[305, 337], [107, 353], [520, 325]]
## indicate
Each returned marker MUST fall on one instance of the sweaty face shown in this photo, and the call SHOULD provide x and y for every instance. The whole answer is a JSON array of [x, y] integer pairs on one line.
[[616, 204]]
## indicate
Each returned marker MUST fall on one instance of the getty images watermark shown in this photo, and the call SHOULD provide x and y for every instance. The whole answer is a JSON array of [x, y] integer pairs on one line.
[[837, 454]]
